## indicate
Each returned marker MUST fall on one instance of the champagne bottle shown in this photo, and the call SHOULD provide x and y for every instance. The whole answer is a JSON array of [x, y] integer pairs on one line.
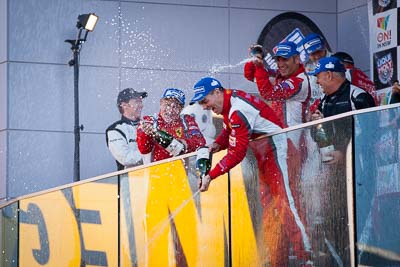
[[324, 144], [203, 161], [167, 141], [257, 51]]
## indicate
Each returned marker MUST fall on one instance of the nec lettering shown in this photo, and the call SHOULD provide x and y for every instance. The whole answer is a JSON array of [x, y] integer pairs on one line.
[[34, 216], [93, 217]]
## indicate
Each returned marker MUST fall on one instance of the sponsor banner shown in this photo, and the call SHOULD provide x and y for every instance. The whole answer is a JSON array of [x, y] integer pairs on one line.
[[398, 28], [384, 96], [384, 30], [380, 6], [384, 41], [385, 68]]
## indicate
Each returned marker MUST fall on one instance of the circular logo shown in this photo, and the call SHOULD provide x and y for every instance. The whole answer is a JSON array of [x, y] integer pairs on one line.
[[384, 3]]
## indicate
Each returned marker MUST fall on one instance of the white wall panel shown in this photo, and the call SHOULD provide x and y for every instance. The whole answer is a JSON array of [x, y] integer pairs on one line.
[[344, 5], [353, 35], [242, 35], [219, 3], [95, 157], [38, 29], [309, 5], [38, 161], [174, 37], [3, 164], [97, 94], [40, 97], [3, 96], [102, 46], [327, 23], [3, 30]]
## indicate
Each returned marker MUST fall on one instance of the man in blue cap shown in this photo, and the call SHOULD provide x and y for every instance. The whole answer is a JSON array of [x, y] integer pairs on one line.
[[315, 48], [246, 117], [290, 92], [290, 95], [330, 73], [181, 129], [340, 97]]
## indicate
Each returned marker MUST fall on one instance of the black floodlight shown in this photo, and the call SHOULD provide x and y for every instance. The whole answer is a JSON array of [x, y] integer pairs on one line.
[[87, 21]]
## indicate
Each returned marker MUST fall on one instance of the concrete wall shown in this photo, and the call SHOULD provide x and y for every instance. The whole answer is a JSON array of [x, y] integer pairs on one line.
[[353, 31], [148, 45], [3, 98], [3, 31]]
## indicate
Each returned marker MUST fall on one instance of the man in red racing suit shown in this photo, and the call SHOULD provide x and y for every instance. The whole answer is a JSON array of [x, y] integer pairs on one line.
[[183, 128], [290, 92], [247, 117], [290, 97]]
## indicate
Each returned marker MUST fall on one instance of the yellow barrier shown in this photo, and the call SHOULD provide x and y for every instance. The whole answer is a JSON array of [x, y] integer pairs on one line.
[[157, 219]]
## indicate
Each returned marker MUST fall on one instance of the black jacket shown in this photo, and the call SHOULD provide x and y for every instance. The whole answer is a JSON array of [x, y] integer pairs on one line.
[[347, 98]]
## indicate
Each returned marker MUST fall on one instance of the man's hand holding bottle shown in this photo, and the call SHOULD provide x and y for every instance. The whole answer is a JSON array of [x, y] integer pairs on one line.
[[147, 128], [328, 153], [174, 146], [203, 166]]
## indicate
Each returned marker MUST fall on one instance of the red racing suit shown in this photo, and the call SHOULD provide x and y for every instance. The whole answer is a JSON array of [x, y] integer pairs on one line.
[[290, 96], [183, 129], [246, 117]]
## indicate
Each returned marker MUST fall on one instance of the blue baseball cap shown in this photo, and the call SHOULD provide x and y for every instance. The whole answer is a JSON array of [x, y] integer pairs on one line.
[[328, 64], [174, 93], [313, 42], [286, 50], [203, 87]]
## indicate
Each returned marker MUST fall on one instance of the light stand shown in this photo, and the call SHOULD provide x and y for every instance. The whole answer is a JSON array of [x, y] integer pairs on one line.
[[86, 22]]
